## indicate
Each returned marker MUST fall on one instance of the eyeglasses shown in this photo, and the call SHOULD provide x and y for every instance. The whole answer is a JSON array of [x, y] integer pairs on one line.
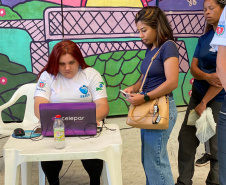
[[156, 117]]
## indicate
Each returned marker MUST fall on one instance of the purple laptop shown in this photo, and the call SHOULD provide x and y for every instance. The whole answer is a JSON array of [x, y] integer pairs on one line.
[[79, 118]]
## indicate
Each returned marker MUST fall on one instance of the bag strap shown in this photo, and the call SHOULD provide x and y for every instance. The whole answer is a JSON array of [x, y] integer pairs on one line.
[[138, 119], [152, 59]]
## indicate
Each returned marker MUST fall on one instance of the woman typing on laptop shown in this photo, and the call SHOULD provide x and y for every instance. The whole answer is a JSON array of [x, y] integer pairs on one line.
[[67, 78]]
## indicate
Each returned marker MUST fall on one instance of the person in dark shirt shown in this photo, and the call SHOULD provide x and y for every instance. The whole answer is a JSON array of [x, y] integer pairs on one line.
[[162, 79], [207, 91]]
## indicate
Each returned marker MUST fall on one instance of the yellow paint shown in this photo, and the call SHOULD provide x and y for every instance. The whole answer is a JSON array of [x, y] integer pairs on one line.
[[114, 3]]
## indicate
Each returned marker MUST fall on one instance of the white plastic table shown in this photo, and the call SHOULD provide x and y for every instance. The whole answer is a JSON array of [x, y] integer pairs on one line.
[[108, 147]]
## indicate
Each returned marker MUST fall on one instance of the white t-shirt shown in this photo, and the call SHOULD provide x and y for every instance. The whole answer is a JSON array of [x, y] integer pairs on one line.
[[220, 34], [86, 86]]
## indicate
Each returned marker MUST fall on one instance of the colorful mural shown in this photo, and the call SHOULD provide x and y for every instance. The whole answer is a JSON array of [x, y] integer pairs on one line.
[[106, 34]]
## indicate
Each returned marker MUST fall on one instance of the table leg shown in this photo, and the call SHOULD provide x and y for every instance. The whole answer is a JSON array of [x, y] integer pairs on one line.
[[114, 167], [12, 171], [26, 173], [105, 176], [42, 177]]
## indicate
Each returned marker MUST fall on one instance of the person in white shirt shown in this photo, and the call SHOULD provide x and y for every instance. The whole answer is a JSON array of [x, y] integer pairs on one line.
[[67, 78], [219, 44]]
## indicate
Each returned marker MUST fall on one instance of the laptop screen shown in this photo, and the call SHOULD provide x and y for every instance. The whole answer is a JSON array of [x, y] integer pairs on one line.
[[79, 118]]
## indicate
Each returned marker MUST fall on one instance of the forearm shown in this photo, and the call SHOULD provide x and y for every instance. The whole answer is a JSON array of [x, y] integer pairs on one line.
[[211, 93], [221, 72], [197, 73], [102, 110], [136, 86], [221, 65], [37, 101], [164, 89]]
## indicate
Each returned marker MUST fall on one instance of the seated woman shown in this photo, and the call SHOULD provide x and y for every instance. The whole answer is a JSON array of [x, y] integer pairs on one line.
[[64, 75]]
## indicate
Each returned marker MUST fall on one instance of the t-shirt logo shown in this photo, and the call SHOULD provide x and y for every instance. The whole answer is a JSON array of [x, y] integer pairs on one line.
[[220, 29], [42, 84], [101, 85], [84, 89]]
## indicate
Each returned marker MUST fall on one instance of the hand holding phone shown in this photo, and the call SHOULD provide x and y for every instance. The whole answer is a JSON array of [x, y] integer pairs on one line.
[[125, 94]]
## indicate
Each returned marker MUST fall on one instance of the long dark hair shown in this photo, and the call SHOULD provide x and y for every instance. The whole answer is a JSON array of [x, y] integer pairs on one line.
[[221, 3], [154, 17], [62, 48]]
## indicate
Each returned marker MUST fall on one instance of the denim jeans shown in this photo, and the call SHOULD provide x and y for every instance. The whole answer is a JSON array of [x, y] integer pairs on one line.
[[222, 143], [154, 151]]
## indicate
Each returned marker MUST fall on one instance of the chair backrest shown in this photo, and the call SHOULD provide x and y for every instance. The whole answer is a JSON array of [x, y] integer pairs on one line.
[[29, 117]]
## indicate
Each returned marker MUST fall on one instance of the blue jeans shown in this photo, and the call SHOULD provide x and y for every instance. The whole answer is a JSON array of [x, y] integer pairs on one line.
[[154, 151], [222, 143]]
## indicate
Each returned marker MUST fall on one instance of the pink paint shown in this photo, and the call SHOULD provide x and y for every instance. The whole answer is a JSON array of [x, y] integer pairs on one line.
[[190, 92], [76, 3], [2, 12], [144, 2], [3, 80], [192, 81]]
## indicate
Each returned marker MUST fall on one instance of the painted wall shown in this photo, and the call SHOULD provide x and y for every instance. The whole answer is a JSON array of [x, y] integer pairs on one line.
[[106, 34]]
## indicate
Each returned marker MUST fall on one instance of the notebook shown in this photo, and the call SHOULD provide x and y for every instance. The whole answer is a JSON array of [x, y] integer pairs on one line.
[[79, 118]]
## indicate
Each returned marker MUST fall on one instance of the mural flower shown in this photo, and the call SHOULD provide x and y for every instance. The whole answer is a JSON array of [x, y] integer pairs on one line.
[[3, 80], [190, 92], [191, 81], [2, 12]]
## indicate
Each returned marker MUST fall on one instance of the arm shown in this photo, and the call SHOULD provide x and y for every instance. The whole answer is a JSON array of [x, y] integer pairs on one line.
[[221, 64], [136, 87], [102, 109], [210, 94], [171, 66], [198, 74], [39, 100]]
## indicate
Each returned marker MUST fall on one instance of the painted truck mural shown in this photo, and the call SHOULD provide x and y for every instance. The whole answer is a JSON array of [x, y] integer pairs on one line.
[[106, 33]]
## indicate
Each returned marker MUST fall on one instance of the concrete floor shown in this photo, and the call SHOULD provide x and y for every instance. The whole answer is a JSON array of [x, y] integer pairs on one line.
[[132, 170]]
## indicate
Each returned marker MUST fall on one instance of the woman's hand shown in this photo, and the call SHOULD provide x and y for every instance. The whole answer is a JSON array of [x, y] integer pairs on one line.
[[129, 89], [136, 99], [213, 79], [200, 108]]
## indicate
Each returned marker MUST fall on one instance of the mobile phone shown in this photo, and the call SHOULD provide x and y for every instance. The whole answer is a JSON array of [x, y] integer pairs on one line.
[[125, 94]]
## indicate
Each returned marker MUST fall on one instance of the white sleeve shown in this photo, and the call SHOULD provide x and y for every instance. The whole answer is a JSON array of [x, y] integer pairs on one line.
[[220, 34], [43, 87], [97, 85]]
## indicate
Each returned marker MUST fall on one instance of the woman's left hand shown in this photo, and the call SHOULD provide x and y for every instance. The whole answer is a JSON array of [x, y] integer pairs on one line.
[[200, 108], [136, 99]]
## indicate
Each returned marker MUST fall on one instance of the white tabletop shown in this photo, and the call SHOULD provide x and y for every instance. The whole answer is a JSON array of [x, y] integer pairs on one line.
[[108, 137], [107, 146]]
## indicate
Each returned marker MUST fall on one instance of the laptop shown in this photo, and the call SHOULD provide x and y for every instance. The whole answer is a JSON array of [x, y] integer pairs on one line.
[[79, 118]]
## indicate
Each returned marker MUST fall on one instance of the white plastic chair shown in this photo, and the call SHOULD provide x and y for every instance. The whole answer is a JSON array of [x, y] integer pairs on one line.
[[29, 117]]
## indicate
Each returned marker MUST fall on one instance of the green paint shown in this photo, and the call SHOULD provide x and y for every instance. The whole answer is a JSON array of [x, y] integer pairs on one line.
[[10, 15], [33, 9], [130, 65], [186, 85], [91, 60], [99, 66], [190, 45], [177, 93], [128, 54], [115, 108], [15, 44], [113, 66], [114, 80], [132, 78], [16, 75], [113, 93]]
